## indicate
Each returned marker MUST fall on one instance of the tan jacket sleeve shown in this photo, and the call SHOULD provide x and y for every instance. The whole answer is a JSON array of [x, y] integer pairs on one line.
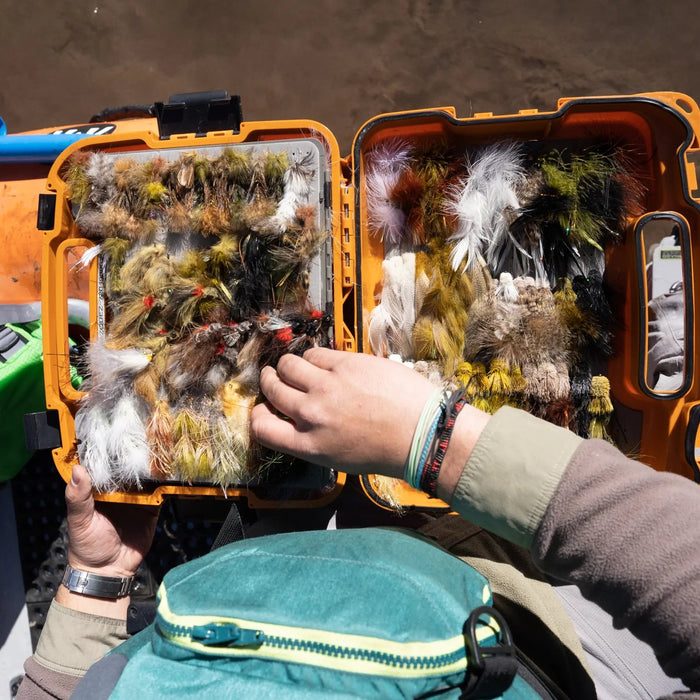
[[512, 474], [70, 643]]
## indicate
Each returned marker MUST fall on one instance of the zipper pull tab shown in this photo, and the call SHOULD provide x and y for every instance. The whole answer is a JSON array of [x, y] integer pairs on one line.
[[226, 634]]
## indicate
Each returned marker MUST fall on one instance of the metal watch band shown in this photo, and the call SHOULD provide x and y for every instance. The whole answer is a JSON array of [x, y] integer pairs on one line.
[[87, 583]]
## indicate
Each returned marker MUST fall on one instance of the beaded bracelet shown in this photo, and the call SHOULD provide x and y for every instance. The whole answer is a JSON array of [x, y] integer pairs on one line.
[[430, 469], [424, 435]]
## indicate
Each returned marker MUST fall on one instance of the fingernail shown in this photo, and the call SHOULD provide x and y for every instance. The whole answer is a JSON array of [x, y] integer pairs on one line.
[[75, 478]]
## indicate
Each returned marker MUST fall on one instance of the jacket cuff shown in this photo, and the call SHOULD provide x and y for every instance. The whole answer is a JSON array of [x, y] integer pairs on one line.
[[512, 473], [72, 641]]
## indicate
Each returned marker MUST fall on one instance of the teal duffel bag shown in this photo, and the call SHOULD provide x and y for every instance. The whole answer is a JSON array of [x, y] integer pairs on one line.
[[365, 613]]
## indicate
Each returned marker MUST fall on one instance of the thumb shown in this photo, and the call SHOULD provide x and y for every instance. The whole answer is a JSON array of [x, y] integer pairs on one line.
[[79, 501]]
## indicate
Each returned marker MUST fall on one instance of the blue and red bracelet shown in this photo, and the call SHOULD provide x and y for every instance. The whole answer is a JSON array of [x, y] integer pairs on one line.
[[430, 469]]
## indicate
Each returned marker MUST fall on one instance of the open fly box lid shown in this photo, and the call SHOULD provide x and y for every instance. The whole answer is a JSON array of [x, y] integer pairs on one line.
[[208, 256], [543, 260]]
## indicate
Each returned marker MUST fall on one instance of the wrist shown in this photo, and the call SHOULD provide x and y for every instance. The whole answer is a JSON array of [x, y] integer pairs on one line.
[[469, 425], [97, 585], [112, 571], [117, 569], [116, 608], [100, 591]]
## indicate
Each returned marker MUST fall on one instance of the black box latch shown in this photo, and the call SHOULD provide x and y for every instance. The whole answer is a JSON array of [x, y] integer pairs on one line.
[[199, 113], [42, 430], [46, 212]]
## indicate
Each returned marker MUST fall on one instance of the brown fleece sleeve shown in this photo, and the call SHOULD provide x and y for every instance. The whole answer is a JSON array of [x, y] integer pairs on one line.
[[629, 537], [41, 683]]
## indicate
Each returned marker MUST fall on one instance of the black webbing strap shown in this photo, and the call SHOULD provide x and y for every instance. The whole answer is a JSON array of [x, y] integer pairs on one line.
[[231, 529], [491, 669]]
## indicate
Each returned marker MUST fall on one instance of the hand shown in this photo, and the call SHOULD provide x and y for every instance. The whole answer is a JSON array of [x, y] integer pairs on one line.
[[349, 411], [110, 539]]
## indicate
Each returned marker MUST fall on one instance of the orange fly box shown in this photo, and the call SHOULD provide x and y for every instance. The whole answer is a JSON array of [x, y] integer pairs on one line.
[[652, 256], [257, 145], [648, 269]]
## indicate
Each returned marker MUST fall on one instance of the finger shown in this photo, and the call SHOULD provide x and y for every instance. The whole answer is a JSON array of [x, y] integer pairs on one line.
[[283, 396], [298, 372], [272, 431], [324, 358], [79, 501]]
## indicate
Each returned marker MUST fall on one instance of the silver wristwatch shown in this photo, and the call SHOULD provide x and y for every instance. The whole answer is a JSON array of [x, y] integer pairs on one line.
[[87, 583]]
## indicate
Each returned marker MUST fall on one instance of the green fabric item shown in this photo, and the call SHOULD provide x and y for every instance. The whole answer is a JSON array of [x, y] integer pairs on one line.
[[21, 391]]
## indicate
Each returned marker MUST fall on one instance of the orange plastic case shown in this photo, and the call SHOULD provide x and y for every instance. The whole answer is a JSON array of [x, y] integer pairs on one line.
[[657, 426], [56, 276]]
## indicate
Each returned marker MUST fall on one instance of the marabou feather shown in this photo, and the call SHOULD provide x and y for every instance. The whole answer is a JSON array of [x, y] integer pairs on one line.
[[483, 205], [297, 188], [92, 429], [390, 154], [385, 163], [384, 217], [391, 322], [127, 444], [109, 366]]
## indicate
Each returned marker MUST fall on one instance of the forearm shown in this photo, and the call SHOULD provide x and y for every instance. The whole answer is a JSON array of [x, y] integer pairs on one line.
[[80, 629], [628, 537], [70, 643], [625, 534]]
